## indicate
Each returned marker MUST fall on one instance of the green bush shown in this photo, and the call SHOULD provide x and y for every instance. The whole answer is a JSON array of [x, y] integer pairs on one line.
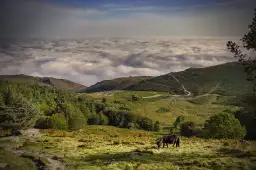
[[135, 98], [157, 126], [59, 122], [224, 125], [163, 110], [75, 118], [189, 129], [44, 123]]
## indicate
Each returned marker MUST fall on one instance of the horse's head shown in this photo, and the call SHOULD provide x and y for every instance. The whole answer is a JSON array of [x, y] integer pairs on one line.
[[158, 143]]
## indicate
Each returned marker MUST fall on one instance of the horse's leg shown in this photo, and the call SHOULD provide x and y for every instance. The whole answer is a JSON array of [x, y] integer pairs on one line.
[[174, 143], [163, 145], [167, 145]]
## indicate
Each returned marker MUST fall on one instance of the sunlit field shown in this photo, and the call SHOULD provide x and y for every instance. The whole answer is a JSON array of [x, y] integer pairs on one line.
[[106, 147]]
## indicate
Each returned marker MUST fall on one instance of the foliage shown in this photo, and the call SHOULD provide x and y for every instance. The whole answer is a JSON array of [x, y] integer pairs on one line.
[[249, 42], [104, 100], [189, 129], [178, 121], [162, 110], [44, 123], [224, 125], [157, 126], [135, 98], [15, 110]]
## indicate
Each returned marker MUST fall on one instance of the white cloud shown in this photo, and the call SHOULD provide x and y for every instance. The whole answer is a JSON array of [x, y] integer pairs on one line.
[[88, 61]]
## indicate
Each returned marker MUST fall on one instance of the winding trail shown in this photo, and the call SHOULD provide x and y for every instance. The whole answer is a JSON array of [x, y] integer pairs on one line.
[[34, 134], [184, 89]]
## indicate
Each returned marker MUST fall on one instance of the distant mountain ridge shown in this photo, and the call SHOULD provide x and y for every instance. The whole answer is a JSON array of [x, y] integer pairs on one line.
[[115, 84], [224, 79], [49, 81]]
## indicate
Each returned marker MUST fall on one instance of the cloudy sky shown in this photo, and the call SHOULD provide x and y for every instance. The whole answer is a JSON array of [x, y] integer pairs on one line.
[[90, 18], [87, 41]]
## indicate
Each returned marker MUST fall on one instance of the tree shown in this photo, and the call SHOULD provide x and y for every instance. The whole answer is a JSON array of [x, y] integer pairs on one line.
[[224, 125], [249, 43], [104, 100], [188, 129], [178, 121], [157, 126], [16, 111]]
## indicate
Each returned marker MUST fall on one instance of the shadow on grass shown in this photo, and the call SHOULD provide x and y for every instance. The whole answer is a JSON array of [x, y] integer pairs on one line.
[[237, 153], [150, 157]]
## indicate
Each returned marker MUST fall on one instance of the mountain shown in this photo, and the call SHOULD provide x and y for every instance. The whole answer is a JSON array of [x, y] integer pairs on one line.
[[224, 79], [49, 81], [115, 84]]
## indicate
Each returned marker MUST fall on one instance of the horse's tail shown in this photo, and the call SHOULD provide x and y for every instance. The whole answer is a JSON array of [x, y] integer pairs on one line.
[[178, 142]]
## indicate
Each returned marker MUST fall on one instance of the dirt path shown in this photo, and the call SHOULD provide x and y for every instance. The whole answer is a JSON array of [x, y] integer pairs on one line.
[[33, 134], [188, 93], [53, 163], [154, 96]]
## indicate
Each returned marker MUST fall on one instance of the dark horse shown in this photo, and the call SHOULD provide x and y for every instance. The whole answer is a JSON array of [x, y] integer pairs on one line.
[[168, 139]]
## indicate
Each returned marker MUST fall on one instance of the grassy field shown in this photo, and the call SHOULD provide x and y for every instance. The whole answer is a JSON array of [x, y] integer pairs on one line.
[[196, 109], [106, 147]]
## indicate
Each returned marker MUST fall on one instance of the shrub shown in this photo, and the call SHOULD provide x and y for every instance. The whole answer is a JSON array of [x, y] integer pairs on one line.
[[145, 123], [75, 118], [93, 120], [44, 123], [188, 129], [104, 100], [178, 121], [135, 98], [224, 125], [157, 126], [162, 110], [59, 122]]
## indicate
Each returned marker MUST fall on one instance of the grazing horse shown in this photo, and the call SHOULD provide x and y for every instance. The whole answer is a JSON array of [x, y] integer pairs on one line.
[[168, 139]]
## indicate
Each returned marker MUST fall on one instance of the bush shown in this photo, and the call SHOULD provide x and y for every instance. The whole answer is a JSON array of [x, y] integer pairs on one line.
[[104, 100], [178, 121], [145, 123], [59, 122], [135, 98], [189, 129], [157, 126], [162, 110], [224, 125], [75, 118], [44, 123]]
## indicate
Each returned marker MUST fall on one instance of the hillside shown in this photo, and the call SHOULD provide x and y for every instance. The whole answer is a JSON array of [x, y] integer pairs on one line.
[[225, 79], [115, 84], [49, 81]]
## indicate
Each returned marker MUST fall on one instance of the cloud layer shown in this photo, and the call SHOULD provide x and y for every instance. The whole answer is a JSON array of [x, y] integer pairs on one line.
[[88, 61], [42, 18]]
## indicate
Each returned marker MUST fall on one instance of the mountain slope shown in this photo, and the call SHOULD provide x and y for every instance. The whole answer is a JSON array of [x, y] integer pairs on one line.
[[115, 84], [224, 79], [49, 81]]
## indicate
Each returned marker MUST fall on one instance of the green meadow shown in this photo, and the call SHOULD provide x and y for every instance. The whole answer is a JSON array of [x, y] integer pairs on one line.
[[106, 147], [196, 109]]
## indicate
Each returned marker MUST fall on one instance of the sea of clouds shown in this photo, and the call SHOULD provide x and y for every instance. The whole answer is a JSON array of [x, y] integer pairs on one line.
[[91, 60]]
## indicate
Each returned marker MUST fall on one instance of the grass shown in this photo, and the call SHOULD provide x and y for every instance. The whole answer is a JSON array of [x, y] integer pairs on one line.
[[14, 162], [196, 109], [106, 147]]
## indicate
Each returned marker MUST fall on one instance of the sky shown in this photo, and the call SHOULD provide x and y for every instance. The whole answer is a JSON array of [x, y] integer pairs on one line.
[[87, 41], [123, 18]]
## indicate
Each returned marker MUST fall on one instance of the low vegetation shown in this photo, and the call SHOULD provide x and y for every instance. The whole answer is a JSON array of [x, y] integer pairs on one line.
[[106, 147]]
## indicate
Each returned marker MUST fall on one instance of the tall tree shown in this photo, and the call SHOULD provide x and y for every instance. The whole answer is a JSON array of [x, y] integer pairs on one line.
[[249, 43]]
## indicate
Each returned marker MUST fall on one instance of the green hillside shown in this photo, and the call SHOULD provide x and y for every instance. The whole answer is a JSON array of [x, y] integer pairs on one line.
[[49, 81], [115, 84], [226, 79]]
